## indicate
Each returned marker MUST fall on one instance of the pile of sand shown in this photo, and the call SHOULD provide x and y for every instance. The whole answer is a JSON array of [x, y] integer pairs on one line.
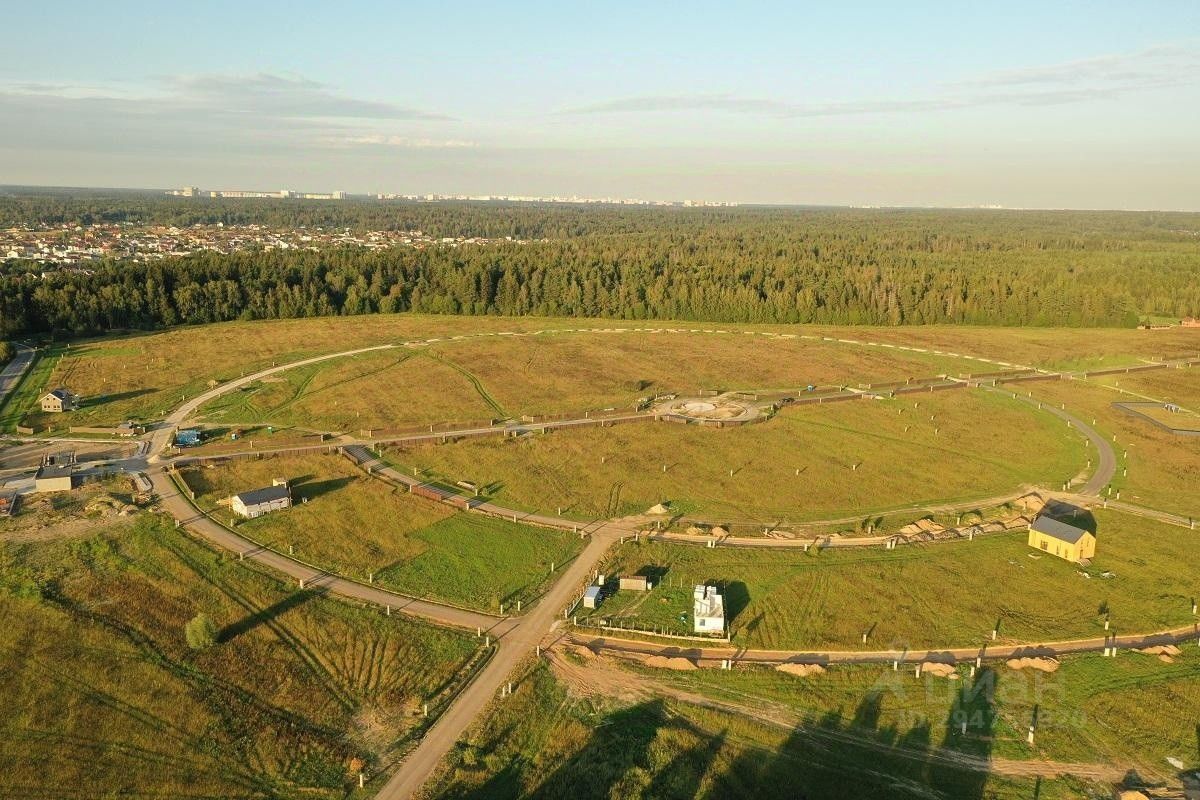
[[719, 531], [1043, 664], [801, 670], [661, 508], [694, 531], [675, 663], [1160, 650], [584, 652], [106, 505], [939, 669]]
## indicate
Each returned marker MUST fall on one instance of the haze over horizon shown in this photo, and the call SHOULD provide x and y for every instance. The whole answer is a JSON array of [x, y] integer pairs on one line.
[[931, 104]]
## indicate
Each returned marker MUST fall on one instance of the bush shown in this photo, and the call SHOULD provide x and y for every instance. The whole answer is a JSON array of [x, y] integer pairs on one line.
[[200, 632]]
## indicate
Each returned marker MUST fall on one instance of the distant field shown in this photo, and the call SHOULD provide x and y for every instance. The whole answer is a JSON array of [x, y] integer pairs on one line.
[[921, 595], [851, 457], [103, 698], [356, 525], [548, 742], [1164, 468], [143, 375]]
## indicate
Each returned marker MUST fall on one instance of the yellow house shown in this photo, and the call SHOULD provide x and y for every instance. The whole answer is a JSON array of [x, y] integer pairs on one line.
[[1062, 540]]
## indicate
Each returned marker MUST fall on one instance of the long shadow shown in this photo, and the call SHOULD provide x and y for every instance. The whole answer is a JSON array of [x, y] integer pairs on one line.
[[268, 614], [833, 756], [99, 400], [314, 489]]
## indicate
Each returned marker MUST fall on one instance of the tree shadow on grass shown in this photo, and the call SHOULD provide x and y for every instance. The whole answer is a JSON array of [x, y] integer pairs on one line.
[[831, 757], [268, 614]]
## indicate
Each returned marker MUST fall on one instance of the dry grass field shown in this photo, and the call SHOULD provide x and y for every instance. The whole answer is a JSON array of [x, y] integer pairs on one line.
[[852, 458], [142, 375], [922, 596], [104, 698], [357, 525]]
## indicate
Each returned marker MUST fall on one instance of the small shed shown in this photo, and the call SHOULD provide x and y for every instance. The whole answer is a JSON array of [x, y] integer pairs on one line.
[[593, 596], [59, 400], [54, 479], [1060, 539], [635, 583], [262, 501]]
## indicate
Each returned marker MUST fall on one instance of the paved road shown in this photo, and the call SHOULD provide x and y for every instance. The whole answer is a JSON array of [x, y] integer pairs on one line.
[[1106, 465], [11, 375], [420, 765]]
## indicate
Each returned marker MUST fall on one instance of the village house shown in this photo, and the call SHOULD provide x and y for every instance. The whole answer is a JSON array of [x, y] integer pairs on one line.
[[1060, 539], [708, 610], [59, 400], [275, 497]]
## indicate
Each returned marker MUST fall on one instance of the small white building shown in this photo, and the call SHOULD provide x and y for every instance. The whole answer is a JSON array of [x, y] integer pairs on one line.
[[708, 610], [593, 596], [262, 501]]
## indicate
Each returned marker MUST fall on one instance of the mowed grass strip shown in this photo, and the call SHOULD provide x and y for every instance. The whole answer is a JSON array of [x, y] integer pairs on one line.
[[921, 596], [807, 463], [103, 696], [356, 525]]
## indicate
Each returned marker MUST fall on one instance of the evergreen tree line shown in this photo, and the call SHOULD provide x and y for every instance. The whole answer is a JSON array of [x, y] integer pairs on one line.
[[742, 265]]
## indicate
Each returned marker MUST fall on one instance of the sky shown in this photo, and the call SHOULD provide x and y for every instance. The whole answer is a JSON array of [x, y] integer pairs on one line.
[[1038, 104]]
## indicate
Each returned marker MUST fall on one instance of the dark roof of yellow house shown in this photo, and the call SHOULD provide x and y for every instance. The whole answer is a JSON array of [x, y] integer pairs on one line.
[[1058, 530]]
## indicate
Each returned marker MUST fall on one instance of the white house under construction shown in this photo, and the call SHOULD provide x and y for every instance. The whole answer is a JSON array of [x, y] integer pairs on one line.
[[708, 611]]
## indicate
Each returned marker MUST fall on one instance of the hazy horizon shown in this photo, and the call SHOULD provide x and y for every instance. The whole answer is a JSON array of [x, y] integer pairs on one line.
[[930, 106]]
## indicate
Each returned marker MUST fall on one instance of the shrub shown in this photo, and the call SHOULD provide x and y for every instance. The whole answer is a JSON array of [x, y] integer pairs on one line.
[[200, 632]]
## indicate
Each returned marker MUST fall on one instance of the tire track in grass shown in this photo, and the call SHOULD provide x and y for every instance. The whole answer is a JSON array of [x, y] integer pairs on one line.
[[483, 393]]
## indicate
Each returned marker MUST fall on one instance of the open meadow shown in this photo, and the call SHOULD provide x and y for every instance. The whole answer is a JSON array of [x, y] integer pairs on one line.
[[292, 696], [144, 374], [356, 525], [808, 462], [917, 596]]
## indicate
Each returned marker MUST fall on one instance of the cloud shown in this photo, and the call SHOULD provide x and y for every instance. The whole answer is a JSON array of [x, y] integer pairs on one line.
[[386, 140], [286, 96], [1071, 82]]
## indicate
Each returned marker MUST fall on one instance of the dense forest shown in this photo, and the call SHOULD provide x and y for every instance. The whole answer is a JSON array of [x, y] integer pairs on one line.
[[734, 265]]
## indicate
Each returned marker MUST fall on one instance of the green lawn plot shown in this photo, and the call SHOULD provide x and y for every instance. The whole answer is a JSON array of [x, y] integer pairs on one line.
[[104, 697], [1163, 468], [809, 462], [566, 372], [1132, 712], [356, 525], [22, 406], [388, 389], [919, 596], [547, 742]]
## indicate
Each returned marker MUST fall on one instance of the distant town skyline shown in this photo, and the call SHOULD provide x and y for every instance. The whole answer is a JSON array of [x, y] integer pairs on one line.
[[865, 104]]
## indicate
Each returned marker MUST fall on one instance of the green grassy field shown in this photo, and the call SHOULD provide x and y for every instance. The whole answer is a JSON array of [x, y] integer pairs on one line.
[[919, 596], [547, 743], [1163, 468], [103, 697], [356, 525], [807, 463]]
